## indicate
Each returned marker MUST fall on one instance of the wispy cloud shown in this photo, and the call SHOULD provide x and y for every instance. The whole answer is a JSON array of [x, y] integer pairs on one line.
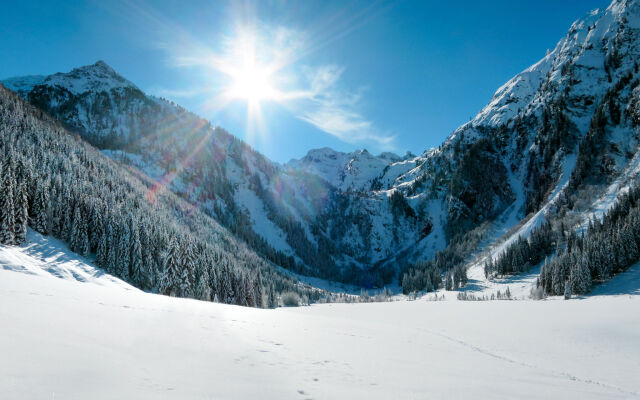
[[335, 110]]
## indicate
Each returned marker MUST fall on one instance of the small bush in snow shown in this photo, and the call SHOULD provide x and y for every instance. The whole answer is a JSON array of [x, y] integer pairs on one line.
[[290, 299]]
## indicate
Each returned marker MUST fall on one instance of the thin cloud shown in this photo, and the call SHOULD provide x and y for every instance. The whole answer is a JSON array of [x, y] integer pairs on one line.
[[335, 110]]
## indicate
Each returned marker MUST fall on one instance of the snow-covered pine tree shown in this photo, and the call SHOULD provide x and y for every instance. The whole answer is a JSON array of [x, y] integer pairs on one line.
[[168, 283], [124, 252], [39, 215], [96, 226], [228, 293], [249, 291], [213, 282], [135, 256], [272, 299], [186, 281], [259, 291], [239, 289], [202, 290], [7, 208], [79, 239], [580, 276], [21, 214], [67, 213], [567, 290], [102, 252]]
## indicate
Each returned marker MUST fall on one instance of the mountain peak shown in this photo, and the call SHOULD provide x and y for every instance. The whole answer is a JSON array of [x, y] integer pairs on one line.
[[102, 64], [95, 77]]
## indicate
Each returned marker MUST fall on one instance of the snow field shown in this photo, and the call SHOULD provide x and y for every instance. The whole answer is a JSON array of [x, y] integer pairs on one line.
[[66, 338]]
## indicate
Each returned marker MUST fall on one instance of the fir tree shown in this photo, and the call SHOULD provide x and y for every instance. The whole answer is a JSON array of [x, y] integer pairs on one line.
[[203, 290], [21, 214], [137, 270], [40, 210], [7, 208], [172, 269]]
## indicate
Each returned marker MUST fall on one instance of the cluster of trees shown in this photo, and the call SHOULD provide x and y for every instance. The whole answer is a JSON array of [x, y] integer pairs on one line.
[[61, 186], [608, 247], [555, 136], [424, 275], [13, 202], [448, 267], [478, 187], [523, 254], [498, 295], [593, 161], [400, 206]]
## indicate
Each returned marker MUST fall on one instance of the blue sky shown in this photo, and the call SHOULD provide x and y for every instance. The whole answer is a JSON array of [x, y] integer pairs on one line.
[[387, 75]]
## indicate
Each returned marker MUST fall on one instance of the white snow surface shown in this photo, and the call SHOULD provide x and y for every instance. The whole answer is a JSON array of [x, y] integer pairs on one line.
[[49, 257], [76, 339]]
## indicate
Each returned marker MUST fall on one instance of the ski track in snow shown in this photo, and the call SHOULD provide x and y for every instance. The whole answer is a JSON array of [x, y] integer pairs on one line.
[[524, 364]]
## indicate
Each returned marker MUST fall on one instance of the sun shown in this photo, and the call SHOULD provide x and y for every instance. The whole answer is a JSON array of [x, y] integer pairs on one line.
[[252, 83], [250, 69], [250, 79]]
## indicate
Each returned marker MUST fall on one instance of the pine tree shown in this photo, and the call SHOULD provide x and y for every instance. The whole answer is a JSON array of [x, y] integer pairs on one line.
[[188, 267], [7, 208], [272, 301], [79, 240], [580, 277], [213, 284], [124, 253], [21, 214], [96, 227], [40, 210], [136, 257], [227, 292], [259, 288], [240, 289], [168, 283], [203, 290], [102, 253], [249, 291]]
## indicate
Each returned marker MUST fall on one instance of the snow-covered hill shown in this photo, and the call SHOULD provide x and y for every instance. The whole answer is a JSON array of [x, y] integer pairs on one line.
[[74, 339], [49, 257]]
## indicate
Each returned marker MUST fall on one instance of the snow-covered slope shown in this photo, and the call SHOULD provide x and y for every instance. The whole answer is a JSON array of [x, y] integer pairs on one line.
[[61, 338], [49, 257]]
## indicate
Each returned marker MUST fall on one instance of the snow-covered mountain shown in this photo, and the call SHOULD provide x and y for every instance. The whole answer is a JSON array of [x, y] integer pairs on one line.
[[567, 123], [355, 171]]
